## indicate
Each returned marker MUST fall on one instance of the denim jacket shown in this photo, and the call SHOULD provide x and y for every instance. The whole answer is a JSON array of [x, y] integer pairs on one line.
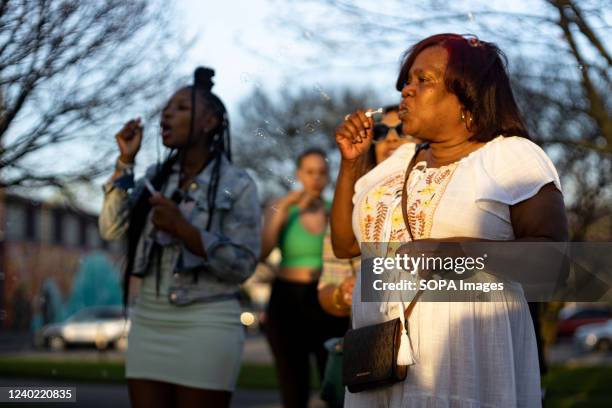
[[232, 244]]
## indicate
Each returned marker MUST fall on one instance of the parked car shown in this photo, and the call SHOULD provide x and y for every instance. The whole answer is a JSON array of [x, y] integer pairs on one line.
[[594, 337], [100, 326], [573, 317]]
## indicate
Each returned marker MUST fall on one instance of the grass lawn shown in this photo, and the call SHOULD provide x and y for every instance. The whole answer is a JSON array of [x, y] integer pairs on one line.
[[578, 387], [252, 376], [565, 386]]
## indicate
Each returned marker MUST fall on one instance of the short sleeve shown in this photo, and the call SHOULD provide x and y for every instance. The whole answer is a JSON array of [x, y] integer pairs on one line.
[[511, 170]]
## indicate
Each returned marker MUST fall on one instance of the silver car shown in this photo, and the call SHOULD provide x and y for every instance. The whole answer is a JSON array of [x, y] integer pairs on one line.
[[100, 326], [594, 337]]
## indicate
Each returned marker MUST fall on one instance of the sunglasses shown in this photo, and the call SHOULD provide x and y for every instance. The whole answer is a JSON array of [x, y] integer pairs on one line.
[[381, 131]]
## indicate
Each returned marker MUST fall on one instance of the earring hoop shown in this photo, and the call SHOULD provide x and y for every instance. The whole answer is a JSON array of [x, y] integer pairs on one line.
[[469, 121]]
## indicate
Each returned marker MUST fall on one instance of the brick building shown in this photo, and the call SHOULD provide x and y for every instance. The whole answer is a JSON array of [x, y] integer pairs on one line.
[[40, 243]]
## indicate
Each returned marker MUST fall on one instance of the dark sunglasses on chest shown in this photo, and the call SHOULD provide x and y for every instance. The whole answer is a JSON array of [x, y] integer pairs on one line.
[[381, 131]]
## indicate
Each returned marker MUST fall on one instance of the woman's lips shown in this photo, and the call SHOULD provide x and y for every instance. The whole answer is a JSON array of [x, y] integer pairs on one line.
[[166, 130], [404, 109]]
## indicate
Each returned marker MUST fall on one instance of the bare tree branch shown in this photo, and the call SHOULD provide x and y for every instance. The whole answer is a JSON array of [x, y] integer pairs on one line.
[[597, 107], [559, 63], [70, 69], [586, 29]]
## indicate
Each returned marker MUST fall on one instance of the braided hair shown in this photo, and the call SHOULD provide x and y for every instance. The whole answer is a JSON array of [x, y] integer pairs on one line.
[[218, 146], [220, 142]]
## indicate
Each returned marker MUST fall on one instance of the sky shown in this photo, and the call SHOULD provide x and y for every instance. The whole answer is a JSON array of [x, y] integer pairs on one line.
[[219, 27], [243, 43], [247, 47]]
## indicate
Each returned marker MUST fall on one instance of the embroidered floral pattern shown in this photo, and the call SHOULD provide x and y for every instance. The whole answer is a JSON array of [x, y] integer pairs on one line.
[[375, 207], [381, 206]]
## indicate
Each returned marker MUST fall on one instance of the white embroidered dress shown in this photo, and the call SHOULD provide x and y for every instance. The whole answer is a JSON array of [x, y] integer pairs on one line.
[[467, 354]]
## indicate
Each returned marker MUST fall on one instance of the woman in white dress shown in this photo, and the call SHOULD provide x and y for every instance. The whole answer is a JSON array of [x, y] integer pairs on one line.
[[481, 178]]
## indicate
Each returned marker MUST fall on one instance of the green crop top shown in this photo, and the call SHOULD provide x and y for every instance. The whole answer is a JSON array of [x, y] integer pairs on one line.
[[300, 248]]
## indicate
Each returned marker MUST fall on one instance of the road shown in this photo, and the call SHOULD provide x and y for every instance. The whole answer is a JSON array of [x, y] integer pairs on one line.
[[256, 351], [116, 395]]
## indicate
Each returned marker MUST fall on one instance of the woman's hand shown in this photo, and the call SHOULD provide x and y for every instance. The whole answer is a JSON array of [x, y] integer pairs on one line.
[[129, 139], [344, 298], [274, 219], [299, 197], [293, 197], [166, 215], [354, 136]]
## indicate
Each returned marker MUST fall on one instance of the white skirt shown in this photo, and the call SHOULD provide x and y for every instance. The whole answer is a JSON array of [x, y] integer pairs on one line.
[[198, 346], [468, 355]]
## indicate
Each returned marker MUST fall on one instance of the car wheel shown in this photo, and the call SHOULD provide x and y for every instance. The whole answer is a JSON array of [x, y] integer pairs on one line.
[[40, 342], [56, 343], [101, 343], [121, 343], [604, 345]]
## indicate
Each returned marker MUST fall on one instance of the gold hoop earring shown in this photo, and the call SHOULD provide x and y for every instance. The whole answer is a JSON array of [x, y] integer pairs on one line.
[[468, 121]]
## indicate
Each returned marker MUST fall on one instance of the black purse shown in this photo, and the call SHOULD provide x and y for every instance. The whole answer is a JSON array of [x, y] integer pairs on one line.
[[371, 352]]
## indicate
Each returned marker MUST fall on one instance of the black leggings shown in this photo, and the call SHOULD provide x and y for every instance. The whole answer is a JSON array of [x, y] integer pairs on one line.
[[297, 326]]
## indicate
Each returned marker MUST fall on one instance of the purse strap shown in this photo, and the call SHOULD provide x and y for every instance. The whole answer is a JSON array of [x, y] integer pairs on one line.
[[352, 265], [411, 165]]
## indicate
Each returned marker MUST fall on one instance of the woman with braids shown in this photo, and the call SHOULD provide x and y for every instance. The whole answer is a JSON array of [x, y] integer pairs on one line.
[[192, 226]]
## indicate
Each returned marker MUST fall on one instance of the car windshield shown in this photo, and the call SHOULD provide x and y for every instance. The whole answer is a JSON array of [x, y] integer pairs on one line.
[[97, 314], [81, 316], [584, 313], [593, 313]]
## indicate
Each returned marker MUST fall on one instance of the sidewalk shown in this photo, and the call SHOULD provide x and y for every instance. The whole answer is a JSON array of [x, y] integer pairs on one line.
[[256, 350], [116, 395]]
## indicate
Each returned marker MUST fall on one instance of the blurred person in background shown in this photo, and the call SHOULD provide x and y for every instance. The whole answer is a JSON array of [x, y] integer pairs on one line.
[[296, 326]]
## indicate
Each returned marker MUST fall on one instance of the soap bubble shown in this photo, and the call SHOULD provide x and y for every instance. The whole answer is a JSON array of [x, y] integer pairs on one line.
[[245, 77], [260, 132], [323, 94], [310, 127]]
